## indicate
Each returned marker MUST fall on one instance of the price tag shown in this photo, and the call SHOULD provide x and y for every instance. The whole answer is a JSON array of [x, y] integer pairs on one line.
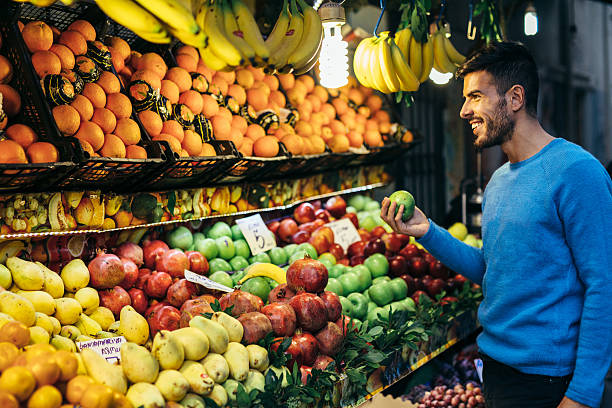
[[204, 281], [479, 365], [345, 232], [107, 348], [257, 235]]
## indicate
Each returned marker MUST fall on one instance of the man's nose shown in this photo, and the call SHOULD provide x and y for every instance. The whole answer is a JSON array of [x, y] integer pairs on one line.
[[466, 111]]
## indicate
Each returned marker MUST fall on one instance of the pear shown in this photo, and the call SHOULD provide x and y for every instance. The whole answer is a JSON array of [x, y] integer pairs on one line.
[[57, 326], [62, 343], [458, 230], [133, 326], [18, 307], [255, 381], [44, 321], [104, 335], [38, 335], [218, 395], [6, 280], [168, 351], [26, 275], [232, 325], [138, 363], [258, 357], [70, 332], [145, 395], [104, 372], [194, 341], [87, 325], [75, 275], [42, 301], [172, 384], [237, 358], [103, 316], [217, 335], [88, 298], [199, 382], [231, 388], [54, 285], [216, 367], [67, 310], [192, 401]]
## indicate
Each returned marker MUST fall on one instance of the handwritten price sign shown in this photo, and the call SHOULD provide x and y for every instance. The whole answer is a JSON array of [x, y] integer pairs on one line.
[[257, 235], [345, 232], [107, 348]]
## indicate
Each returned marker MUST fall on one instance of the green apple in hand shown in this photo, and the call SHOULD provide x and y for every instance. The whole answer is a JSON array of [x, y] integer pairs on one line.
[[402, 197]]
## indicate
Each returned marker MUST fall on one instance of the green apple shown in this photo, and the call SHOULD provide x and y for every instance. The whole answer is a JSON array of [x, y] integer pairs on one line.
[[226, 248], [298, 254], [310, 250], [180, 237], [219, 264], [333, 285], [336, 270], [368, 223], [222, 278], [381, 279], [220, 229], [372, 206], [358, 201], [371, 306], [458, 230], [364, 277], [238, 263], [327, 263], [236, 276], [260, 258], [207, 247], [278, 256], [377, 264], [198, 236], [258, 286], [402, 197], [377, 314], [351, 209], [272, 283], [329, 257], [242, 248], [399, 289], [349, 282], [360, 305], [471, 240], [397, 305], [381, 293], [367, 294], [409, 304], [347, 306], [290, 249], [236, 232]]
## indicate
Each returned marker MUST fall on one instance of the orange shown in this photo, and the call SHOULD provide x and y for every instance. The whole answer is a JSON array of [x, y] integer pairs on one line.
[[12, 152], [192, 143], [374, 102], [116, 59], [244, 78], [67, 119], [174, 143], [247, 147], [360, 119], [257, 99], [208, 150], [42, 152], [221, 127], [338, 144], [121, 46], [173, 128], [83, 107], [64, 54], [320, 93], [153, 62], [356, 96], [170, 90], [229, 76], [308, 82], [318, 144], [210, 107], [135, 152], [204, 70], [150, 77], [22, 134], [382, 116], [240, 123], [86, 147], [371, 124], [128, 131], [75, 41], [92, 134], [303, 128], [305, 106], [364, 111], [85, 28], [151, 121], [236, 137], [226, 113], [293, 143], [262, 86], [266, 146], [45, 63], [340, 105], [237, 92], [296, 97], [134, 60], [113, 147], [38, 36], [105, 119], [316, 103], [193, 100], [180, 77], [189, 50], [6, 70], [287, 81], [355, 138], [109, 82], [254, 132], [271, 81], [337, 127], [384, 127], [258, 73], [119, 104], [187, 62], [326, 133], [278, 98], [372, 138], [95, 94], [218, 85]]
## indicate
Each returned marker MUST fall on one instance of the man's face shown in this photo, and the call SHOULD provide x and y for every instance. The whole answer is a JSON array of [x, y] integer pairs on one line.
[[486, 110]]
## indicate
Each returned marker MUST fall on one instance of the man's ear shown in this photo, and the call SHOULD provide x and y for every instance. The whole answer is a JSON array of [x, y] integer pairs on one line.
[[516, 97]]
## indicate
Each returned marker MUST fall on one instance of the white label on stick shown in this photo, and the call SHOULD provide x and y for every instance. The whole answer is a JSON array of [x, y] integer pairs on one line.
[[257, 235], [204, 281], [479, 365], [345, 232], [107, 348]]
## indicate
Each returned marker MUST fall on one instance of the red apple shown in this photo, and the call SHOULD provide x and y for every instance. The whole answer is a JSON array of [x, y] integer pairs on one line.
[[131, 274], [322, 214], [197, 262], [355, 249], [308, 346], [152, 250], [304, 212], [308, 226], [398, 266], [337, 251], [418, 267], [392, 242], [417, 295], [316, 204], [344, 261], [281, 293], [332, 304], [435, 287], [374, 246], [336, 206], [438, 270], [174, 262], [181, 291], [378, 231], [286, 229], [282, 317], [322, 239], [273, 226], [140, 302], [353, 218], [410, 282], [365, 235], [309, 310], [157, 285], [405, 239], [114, 299], [356, 260], [409, 251], [300, 237], [448, 300], [460, 279], [307, 274], [429, 258]]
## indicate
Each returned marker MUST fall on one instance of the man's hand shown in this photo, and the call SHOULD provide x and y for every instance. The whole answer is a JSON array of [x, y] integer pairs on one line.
[[568, 403], [417, 226]]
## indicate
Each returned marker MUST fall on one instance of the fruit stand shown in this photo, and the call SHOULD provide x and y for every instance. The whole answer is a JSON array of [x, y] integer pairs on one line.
[[186, 217]]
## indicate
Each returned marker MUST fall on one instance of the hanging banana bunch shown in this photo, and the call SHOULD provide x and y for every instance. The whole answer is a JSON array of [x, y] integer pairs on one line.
[[446, 56], [420, 56]]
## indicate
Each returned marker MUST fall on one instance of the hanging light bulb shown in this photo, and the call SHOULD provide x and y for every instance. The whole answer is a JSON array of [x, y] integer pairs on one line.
[[440, 78], [333, 61], [531, 20]]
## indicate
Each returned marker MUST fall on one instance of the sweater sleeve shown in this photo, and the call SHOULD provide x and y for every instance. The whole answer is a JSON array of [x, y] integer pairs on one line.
[[585, 209], [458, 256]]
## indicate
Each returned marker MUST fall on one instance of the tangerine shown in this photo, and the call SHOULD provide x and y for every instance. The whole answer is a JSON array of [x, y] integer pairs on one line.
[[83, 106], [109, 82], [95, 94], [113, 146], [170, 90], [180, 77], [173, 128], [64, 54], [128, 131], [67, 119], [75, 41], [193, 100], [135, 152], [192, 143], [119, 104], [187, 62], [151, 121], [91, 133], [85, 28], [105, 119], [42, 152], [22, 134], [11, 152], [266, 146], [37, 36], [45, 63]]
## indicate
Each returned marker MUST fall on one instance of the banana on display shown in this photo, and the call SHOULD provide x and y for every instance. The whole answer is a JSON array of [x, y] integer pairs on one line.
[[446, 56]]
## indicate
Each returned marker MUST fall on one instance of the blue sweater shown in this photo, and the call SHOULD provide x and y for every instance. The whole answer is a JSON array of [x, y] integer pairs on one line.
[[545, 267]]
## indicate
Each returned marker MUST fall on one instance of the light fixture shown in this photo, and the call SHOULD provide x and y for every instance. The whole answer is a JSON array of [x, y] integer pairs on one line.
[[440, 78], [333, 61], [531, 20]]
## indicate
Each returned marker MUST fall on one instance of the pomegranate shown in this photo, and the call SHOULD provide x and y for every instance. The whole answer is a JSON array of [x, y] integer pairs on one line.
[[130, 273], [143, 276], [155, 304], [282, 317], [173, 261], [322, 361], [309, 310], [307, 274], [114, 299], [243, 302], [181, 291], [308, 347], [293, 350], [194, 307], [332, 304], [163, 318], [330, 339], [152, 250], [130, 251], [256, 325], [140, 302], [105, 271], [345, 323], [282, 293], [157, 285], [197, 263]]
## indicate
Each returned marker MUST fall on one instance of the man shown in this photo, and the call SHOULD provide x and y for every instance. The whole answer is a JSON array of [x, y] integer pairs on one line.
[[546, 263]]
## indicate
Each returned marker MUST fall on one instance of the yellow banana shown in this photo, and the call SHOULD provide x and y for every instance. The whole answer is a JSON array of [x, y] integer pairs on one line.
[[440, 57], [299, 70], [291, 40], [402, 39], [454, 55], [408, 80], [359, 62], [415, 57], [428, 59], [173, 13], [311, 37], [222, 48], [196, 40], [131, 15], [386, 63], [9, 249], [375, 67], [235, 35], [249, 28], [277, 35], [265, 269], [211, 60]]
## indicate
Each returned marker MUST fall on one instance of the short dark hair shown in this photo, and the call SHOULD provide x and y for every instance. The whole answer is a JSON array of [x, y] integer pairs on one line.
[[510, 63]]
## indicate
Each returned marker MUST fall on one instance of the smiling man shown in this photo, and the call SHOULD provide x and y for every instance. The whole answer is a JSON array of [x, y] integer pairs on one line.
[[546, 262]]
